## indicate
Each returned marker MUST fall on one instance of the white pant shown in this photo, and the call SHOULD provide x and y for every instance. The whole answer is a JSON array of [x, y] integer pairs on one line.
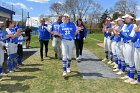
[[67, 49], [113, 49], [109, 44], [129, 54], [56, 44], [119, 50], [12, 48], [137, 58], [105, 44], [1, 55]]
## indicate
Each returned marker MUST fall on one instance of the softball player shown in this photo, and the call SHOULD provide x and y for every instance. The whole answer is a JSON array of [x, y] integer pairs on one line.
[[127, 34], [11, 42], [56, 43], [1, 50], [67, 32], [119, 47], [136, 40], [107, 39]]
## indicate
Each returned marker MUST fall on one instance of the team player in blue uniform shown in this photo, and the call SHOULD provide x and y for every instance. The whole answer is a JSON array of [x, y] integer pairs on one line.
[[136, 40], [11, 36], [127, 34], [67, 32], [56, 42], [107, 39]]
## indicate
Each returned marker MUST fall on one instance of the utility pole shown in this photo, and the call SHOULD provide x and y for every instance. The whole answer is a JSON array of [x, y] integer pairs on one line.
[[22, 16]]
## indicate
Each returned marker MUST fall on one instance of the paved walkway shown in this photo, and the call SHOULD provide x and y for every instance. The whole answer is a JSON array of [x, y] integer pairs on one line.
[[92, 68]]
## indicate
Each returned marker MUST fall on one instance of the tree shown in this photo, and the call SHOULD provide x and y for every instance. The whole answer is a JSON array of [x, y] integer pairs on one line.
[[126, 6], [57, 7]]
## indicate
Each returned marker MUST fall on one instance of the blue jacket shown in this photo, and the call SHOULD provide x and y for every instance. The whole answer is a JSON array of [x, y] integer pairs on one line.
[[136, 40], [67, 30], [81, 34], [43, 33], [128, 33]]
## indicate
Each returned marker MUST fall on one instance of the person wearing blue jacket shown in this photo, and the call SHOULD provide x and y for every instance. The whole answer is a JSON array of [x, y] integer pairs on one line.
[[136, 40], [79, 40], [44, 36], [56, 42], [127, 34]]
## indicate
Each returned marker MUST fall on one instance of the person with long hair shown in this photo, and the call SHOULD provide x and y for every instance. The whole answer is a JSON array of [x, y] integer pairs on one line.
[[79, 39]]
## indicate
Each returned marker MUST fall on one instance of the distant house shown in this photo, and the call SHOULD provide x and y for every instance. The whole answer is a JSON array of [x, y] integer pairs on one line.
[[6, 13]]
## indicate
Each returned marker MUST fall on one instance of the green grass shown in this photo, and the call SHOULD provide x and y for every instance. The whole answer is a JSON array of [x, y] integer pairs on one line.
[[46, 76]]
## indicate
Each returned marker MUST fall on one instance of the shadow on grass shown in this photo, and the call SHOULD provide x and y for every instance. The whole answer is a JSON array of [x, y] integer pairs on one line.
[[29, 70], [12, 88], [33, 65], [19, 78]]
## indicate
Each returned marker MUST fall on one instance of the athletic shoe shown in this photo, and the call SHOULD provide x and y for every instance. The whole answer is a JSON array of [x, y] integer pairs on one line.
[[109, 62], [115, 66], [64, 74], [115, 70], [3, 74], [78, 60], [129, 80], [120, 72], [104, 59], [134, 82], [125, 77], [113, 63], [68, 70], [11, 71]]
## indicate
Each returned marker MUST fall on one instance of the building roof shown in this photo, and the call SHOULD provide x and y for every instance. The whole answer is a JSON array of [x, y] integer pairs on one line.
[[7, 10]]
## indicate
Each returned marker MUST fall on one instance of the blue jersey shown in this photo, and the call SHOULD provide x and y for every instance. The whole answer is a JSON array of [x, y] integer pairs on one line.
[[67, 30], [136, 40], [128, 32], [12, 31], [1, 35], [43, 33], [117, 38], [55, 26], [106, 33], [81, 34]]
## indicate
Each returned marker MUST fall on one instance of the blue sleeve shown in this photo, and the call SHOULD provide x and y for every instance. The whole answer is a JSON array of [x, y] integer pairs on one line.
[[85, 32], [124, 35], [134, 39]]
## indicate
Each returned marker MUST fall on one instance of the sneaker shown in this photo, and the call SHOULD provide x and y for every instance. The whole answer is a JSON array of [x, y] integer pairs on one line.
[[64, 74], [115, 70], [134, 82], [112, 64], [104, 59], [68, 70], [109, 62], [80, 57], [78, 60], [115, 66], [11, 71], [119, 73], [3, 74], [125, 77], [129, 80]]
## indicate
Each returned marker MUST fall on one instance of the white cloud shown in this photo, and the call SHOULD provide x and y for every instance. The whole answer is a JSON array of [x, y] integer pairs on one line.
[[21, 5], [138, 7], [39, 1]]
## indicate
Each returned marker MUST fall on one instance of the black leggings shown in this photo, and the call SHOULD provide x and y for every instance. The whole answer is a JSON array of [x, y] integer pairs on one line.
[[79, 46], [45, 42]]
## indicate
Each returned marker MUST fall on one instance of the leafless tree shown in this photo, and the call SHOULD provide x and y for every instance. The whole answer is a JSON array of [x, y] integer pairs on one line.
[[126, 6]]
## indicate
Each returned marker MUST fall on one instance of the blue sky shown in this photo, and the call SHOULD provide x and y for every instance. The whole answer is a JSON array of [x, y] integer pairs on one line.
[[37, 7]]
